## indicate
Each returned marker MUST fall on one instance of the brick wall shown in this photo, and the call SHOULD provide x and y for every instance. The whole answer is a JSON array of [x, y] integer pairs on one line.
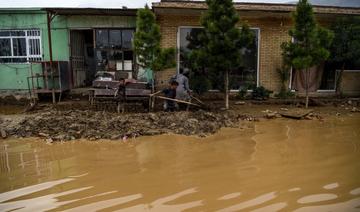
[[273, 31], [350, 85]]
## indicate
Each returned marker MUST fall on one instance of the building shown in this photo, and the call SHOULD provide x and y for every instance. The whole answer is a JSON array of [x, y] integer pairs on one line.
[[85, 41], [180, 19]]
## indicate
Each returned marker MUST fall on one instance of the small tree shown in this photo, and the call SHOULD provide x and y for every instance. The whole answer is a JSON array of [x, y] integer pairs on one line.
[[311, 42], [147, 43], [346, 45], [221, 42]]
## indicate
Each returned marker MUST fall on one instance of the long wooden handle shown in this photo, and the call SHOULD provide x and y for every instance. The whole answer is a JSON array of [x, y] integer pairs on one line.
[[177, 100], [201, 102], [153, 94]]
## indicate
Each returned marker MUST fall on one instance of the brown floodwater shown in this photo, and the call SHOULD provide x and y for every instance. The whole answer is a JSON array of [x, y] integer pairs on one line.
[[275, 165]]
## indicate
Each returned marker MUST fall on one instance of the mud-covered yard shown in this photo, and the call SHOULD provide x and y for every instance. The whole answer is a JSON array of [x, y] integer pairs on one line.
[[70, 121]]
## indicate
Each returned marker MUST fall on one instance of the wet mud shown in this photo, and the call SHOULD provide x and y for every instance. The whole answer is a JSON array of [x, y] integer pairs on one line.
[[65, 125], [271, 165]]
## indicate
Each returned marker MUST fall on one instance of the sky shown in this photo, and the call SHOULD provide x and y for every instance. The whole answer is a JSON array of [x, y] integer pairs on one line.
[[95, 3]]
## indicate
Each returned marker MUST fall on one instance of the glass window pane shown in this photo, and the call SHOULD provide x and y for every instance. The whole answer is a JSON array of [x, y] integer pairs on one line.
[[245, 75], [127, 36], [19, 46], [102, 38], [328, 75], [34, 46], [116, 55], [115, 39], [19, 60], [5, 60], [5, 47], [188, 42], [128, 55], [4, 33], [17, 33]]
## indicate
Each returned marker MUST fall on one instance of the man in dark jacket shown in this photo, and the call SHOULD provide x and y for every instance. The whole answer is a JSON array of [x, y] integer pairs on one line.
[[170, 92]]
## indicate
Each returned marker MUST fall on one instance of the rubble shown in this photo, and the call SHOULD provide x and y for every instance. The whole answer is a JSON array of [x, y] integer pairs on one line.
[[354, 110], [239, 103], [3, 133], [56, 125]]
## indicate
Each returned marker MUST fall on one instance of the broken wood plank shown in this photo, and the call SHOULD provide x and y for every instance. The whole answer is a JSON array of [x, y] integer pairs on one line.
[[295, 113]]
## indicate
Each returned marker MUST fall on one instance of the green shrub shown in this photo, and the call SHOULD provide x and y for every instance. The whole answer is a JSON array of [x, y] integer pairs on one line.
[[284, 75], [260, 93], [243, 92], [285, 94]]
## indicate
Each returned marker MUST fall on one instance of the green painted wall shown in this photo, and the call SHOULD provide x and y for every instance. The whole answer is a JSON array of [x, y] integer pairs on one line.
[[14, 76]]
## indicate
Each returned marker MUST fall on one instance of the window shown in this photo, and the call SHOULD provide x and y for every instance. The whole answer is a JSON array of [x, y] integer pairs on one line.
[[20, 46], [114, 38], [102, 38], [243, 76], [114, 49], [127, 36]]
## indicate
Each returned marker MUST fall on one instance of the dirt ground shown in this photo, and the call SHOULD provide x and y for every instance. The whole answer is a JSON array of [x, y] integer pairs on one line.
[[72, 120]]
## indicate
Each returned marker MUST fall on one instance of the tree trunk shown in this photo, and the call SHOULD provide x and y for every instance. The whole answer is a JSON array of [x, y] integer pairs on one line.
[[307, 88], [338, 81], [226, 86], [152, 99]]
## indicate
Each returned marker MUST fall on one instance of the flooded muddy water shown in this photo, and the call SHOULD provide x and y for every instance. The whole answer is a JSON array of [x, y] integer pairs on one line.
[[275, 165]]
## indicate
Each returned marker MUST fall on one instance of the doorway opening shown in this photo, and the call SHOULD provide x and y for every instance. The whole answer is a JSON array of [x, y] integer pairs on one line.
[[82, 60]]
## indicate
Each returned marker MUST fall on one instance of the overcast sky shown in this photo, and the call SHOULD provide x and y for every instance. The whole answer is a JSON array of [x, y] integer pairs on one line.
[[95, 3]]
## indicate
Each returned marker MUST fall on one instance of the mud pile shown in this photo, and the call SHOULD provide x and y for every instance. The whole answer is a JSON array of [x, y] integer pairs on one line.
[[92, 125]]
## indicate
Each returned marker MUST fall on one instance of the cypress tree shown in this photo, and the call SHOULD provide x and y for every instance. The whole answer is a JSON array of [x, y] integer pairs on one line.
[[221, 41], [310, 45], [147, 38]]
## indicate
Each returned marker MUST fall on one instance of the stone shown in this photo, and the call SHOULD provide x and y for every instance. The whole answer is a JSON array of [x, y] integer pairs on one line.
[[240, 103], [3, 133], [116, 137], [49, 140], [271, 115], [354, 109], [60, 137], [41, 134]]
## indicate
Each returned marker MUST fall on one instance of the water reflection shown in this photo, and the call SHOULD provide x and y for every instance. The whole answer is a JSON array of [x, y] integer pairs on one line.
[[249, 203], [316, 198], [331, 186], [277, 165]]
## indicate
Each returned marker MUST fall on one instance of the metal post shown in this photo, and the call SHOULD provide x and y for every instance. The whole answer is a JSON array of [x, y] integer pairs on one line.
[[49, 19]]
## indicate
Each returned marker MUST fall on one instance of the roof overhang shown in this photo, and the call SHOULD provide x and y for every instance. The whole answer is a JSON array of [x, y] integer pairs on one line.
[[91, 11], [197, 7]]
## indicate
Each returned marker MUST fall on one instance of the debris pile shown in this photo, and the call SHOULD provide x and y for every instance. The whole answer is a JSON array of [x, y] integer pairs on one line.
[[54, 125]]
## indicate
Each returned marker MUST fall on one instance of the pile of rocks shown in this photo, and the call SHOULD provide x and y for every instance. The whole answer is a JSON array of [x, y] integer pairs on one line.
[[56, 125]]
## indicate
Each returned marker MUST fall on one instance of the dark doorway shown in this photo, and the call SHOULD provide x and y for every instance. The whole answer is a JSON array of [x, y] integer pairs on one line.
[[83, 64]]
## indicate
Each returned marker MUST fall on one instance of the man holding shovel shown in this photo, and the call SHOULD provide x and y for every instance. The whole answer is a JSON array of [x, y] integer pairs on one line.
[[183, 90]]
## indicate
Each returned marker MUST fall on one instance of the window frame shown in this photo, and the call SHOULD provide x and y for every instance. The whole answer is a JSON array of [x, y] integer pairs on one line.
[[122, 49], [258, 53], [29, 35]]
